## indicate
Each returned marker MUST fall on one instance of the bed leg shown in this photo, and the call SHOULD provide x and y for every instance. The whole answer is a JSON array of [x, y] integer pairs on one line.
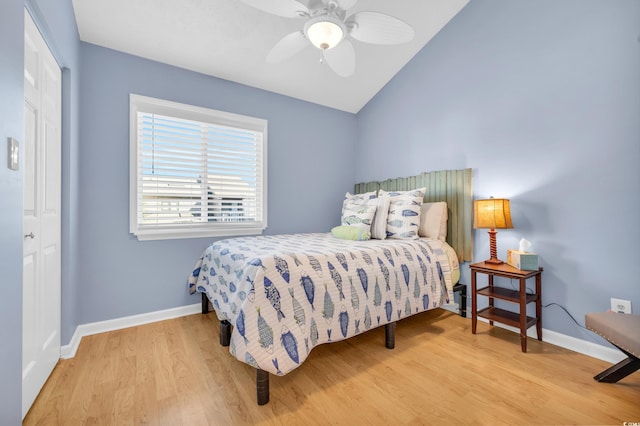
[[205, 303], [262, 386], [390, 335], [225, 333]]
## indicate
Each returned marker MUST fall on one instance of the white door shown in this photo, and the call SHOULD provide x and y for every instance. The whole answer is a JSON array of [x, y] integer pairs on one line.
[[41, 221]]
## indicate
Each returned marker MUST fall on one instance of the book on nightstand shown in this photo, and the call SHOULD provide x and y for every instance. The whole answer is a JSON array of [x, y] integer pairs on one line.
[[522, 260]]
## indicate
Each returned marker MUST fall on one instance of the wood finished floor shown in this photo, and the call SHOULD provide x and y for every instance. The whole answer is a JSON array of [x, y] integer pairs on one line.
[[175, 373]]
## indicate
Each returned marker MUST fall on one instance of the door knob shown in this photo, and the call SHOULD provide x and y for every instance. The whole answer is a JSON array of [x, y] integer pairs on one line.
[[29, 235]]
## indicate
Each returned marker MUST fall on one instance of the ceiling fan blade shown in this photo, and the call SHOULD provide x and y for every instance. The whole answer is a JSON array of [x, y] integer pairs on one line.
[[341, 59], [378, 28], [286, 8], [288, 46]]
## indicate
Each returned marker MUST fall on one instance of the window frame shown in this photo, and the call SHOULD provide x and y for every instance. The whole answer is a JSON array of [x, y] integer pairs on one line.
[[139, 103]]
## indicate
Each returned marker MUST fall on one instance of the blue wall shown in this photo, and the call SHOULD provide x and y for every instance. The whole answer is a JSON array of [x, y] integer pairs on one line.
[[542, 100], [11, 125], [310, 152]]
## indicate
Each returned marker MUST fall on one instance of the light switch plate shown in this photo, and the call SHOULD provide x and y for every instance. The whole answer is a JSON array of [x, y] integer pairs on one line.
[[13, 149]]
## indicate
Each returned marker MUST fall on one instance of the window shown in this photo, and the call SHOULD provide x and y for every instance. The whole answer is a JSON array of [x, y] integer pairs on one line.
[[195, 172]]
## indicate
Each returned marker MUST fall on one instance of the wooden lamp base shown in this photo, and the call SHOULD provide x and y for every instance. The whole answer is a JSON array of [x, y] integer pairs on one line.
[[493, 249]]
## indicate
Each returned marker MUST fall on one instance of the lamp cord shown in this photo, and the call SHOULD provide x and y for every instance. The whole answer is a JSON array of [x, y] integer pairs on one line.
[[567, 312], [529, 291]]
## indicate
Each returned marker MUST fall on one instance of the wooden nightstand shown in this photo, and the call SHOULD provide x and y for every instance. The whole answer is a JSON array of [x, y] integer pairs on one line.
[[515, 319]]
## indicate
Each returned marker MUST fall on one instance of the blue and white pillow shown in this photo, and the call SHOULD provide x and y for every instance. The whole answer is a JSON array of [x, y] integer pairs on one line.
[[403, 221], [359, 213], [358, 197], [379, 221]]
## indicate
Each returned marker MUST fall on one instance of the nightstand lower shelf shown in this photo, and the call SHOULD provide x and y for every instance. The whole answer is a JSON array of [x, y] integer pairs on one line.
[[505, 317]]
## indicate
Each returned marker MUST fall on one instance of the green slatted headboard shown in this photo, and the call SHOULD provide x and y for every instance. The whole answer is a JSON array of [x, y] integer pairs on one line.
[[452, 186]]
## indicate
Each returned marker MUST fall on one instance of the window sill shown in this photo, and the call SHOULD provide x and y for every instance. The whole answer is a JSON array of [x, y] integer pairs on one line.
[[175, 234]]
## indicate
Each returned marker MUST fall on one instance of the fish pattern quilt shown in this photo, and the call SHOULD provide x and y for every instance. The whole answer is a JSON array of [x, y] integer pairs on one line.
[[286, 294]]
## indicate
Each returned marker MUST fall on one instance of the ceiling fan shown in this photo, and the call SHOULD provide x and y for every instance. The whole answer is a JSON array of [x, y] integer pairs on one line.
[[328, 28]]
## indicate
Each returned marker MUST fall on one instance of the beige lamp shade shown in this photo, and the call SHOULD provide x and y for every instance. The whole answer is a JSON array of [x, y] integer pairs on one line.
[[492, 213]]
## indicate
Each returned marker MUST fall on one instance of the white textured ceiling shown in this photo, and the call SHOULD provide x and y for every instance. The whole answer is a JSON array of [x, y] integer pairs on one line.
[[230, 40]]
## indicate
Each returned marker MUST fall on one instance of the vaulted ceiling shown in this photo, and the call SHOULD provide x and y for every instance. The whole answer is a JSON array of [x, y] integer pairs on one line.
[[229, 39]]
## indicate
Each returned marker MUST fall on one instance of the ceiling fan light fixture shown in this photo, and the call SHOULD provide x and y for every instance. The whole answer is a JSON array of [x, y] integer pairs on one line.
[[325, 32]]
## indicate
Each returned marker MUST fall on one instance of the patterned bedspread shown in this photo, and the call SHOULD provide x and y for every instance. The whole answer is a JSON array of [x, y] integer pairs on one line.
[[286, 294]]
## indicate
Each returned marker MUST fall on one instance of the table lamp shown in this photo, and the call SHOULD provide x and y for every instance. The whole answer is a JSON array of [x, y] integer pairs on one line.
[[492, 213]]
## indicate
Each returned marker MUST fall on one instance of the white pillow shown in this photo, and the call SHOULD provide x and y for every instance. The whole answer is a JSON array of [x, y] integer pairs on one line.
[[379, 223], [433, 220], [358, 213], [403, 221]]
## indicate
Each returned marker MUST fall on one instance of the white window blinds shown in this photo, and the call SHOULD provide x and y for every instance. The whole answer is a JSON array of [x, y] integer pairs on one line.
[[198, 172]]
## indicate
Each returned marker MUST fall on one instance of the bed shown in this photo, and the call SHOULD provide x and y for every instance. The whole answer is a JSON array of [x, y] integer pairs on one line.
[[279, 296]]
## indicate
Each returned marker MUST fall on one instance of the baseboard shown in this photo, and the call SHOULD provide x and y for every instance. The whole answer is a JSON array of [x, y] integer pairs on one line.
[[584, 347], [69, 351], [591, 349]]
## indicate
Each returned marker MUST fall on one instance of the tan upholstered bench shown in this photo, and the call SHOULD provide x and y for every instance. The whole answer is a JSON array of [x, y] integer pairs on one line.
[[622, 331]]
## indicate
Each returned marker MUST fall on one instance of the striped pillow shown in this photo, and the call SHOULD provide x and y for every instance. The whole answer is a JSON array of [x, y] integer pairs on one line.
[[379, 222]]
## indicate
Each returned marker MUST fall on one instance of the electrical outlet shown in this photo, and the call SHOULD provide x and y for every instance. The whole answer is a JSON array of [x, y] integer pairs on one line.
[[620, 306]]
